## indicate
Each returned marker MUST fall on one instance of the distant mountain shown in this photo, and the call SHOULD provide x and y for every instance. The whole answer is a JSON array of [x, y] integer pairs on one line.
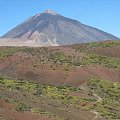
[[50, 28]]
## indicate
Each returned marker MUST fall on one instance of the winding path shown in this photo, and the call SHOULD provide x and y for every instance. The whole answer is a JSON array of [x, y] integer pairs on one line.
[[96, 113]]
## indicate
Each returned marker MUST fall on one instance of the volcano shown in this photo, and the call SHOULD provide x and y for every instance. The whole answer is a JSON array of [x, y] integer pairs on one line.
[[52, 29]]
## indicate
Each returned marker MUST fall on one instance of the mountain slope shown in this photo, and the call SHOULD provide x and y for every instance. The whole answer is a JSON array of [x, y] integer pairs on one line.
[[50, 28], [75, 82]]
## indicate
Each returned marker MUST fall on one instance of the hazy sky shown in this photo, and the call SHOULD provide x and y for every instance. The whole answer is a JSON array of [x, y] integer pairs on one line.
[[103, 14]]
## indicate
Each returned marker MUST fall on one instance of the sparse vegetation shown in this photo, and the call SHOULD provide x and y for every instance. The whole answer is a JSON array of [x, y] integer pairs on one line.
[[9, 51], [109, 92], [101, 60], [88, 46]]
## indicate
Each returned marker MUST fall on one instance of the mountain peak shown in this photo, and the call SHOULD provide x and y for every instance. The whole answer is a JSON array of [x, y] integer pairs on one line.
[[48, 11]]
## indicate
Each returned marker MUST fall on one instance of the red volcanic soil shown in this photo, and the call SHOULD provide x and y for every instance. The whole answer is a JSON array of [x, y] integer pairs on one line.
[[56, 75]]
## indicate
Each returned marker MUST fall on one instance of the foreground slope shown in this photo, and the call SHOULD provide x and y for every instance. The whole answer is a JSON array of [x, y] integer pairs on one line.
[[75, 82], [52, 29]]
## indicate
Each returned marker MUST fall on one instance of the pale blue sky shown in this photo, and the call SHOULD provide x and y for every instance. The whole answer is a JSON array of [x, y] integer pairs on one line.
[[102, 14]]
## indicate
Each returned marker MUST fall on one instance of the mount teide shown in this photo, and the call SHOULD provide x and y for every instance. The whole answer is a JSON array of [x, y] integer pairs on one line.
[[52, 29]]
